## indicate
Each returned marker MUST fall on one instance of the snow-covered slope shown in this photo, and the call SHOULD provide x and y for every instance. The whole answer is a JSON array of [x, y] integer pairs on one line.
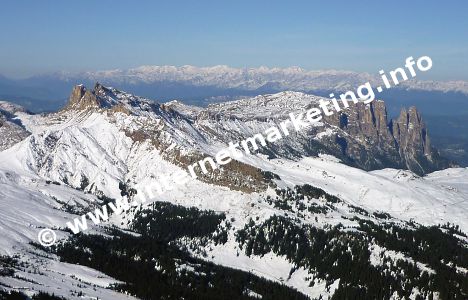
[[29, 204], [11, 130], [88, 151]]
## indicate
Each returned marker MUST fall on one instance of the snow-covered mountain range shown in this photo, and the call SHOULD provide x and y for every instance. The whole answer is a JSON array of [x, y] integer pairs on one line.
[[359, 206], [292, 78]]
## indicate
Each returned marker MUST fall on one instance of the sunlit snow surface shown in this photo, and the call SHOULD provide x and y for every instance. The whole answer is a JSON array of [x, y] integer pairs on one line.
[[96, 146]]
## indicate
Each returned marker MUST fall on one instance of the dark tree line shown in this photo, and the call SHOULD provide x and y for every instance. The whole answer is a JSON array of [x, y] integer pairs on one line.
[[154, 267], [336, 254]]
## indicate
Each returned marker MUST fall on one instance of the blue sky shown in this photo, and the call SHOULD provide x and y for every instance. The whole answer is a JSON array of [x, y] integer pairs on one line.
[[46, 36]]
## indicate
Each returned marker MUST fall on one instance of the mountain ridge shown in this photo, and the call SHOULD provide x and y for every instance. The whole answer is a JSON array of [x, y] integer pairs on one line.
[[289, 78], [361, 136], [290, 216]]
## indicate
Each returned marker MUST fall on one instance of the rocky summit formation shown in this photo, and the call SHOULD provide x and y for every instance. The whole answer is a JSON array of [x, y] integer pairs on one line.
[[83, 99], [412, 137], [371, 141], [361, 136], [166, 130]]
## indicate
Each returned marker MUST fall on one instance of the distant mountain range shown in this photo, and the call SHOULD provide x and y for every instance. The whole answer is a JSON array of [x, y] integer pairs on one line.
[[293, 78], [443, 104], [203, 85]]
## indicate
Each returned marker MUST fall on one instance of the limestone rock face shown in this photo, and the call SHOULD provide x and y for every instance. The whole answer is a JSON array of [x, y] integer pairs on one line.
[[361, 135], [411, 133], [413, 139], [375, 142], [82, 99]]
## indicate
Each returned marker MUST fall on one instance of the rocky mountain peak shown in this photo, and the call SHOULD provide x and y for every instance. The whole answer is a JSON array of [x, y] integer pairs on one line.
[[376, 142], [410, 131], [83, 99], [362, 136], [101, 91], [106, 99]]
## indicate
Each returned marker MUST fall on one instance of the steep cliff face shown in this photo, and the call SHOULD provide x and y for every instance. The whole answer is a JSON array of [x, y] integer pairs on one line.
[[82, 99], [361, 136], [364, 137], [411, 133], [412, 138], [372, 141], [162, 129]]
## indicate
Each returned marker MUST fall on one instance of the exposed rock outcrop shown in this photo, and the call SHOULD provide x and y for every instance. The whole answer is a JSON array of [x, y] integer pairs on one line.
[[11, 130], [82, 99], [361, 136], [374, 142]]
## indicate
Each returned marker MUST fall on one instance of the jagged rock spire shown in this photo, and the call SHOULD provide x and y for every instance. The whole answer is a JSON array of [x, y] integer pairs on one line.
[[411, 133], [400, 143], [82, 99]]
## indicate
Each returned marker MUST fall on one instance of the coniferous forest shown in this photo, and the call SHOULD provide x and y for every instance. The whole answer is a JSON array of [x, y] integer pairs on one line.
[[158, 261]]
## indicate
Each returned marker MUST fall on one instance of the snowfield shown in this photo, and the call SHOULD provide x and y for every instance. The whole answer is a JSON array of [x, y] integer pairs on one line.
[[38, 173]]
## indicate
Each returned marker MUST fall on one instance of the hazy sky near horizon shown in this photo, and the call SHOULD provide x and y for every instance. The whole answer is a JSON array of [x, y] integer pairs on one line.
[[47, 36]]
